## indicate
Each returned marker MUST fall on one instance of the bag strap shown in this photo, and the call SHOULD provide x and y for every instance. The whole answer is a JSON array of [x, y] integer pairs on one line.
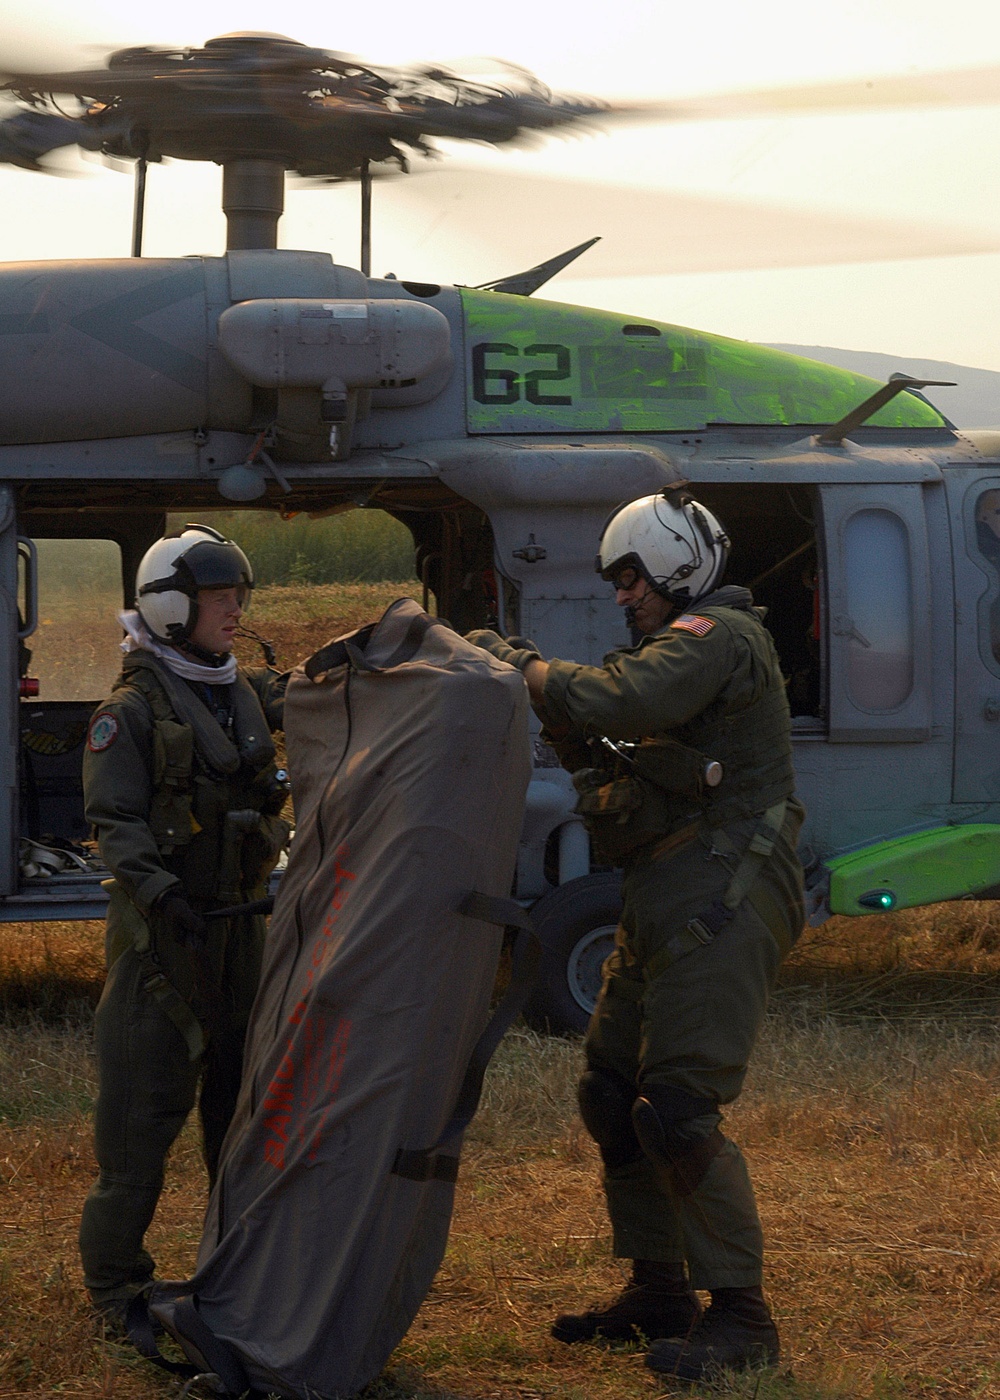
[[212, 1359], [430, 1163], [141, 1334], [352, 649]]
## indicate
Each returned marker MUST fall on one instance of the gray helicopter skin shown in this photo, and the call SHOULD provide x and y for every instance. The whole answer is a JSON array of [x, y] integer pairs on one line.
[[503, 430]]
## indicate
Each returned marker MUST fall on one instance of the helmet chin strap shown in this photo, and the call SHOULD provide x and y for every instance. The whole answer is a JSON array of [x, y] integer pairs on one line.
[[677, 606], [207, 658], [677, 602]]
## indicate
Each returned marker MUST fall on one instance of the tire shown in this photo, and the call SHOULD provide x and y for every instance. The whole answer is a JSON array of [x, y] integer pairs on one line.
[[575, 924]]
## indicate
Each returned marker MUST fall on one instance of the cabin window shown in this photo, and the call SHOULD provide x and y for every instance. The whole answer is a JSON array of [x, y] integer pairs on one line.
[[75, 649], [988, 544], [879, 624]]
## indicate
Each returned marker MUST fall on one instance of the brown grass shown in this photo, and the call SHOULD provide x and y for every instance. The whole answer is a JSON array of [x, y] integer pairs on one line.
[[298, 620], [871, 1120], [872, 1128]]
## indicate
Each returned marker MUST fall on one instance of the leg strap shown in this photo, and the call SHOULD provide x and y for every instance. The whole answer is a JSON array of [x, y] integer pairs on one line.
[[705, 927]]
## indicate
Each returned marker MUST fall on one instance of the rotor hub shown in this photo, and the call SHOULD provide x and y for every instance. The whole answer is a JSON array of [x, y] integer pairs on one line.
[[258, 95]]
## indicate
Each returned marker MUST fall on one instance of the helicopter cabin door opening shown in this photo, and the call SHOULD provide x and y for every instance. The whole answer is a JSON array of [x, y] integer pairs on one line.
[[76, 570], [775, 553], [15, 609], [71, 661]]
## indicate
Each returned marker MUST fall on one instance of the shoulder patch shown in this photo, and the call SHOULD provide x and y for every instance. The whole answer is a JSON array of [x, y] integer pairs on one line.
[[103, 732], [690, 622]]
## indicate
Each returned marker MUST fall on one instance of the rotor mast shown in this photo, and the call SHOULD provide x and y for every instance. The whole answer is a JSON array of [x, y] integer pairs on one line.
[[253, 200]]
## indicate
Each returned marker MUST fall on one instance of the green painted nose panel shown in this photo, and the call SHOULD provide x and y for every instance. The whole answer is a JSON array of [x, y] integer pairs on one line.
[[948, 862], [541, 367]]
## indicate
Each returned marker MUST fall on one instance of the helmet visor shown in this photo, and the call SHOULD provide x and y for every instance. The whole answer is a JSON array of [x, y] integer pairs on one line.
[[213, 565], [624, 578], [624, 571]]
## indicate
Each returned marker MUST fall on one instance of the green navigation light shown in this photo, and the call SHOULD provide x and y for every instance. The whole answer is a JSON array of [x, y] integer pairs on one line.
[[923, 867], [877, 899]]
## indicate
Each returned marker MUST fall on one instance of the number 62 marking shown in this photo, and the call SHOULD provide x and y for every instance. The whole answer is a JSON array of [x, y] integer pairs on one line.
[[512, 381]]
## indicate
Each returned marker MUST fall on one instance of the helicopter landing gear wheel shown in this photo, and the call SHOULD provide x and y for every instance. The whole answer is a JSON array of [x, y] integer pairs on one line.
[[576, 926]]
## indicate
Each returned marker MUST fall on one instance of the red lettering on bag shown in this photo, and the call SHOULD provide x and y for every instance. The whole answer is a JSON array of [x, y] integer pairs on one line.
[[335, 1067], [340, 875], [294, 1095], [278, 1103]]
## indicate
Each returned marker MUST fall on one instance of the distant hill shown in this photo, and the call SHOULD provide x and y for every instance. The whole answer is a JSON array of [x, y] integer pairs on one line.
[[974, 403]]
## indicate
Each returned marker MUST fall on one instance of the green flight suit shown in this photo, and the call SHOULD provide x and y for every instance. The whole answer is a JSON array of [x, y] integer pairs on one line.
[[181, 796], [681, 1008]]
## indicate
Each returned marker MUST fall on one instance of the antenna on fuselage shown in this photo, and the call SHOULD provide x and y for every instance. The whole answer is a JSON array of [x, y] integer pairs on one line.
[[834, 436]]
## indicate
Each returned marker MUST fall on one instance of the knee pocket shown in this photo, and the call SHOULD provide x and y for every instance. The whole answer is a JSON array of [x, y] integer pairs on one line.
[[679, 1133], [606, 1100]]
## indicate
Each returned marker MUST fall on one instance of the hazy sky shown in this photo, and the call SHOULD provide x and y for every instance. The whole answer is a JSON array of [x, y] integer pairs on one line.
[[896, 181]]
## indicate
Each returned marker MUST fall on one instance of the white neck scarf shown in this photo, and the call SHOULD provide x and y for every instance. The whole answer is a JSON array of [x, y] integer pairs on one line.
[[138, 638]]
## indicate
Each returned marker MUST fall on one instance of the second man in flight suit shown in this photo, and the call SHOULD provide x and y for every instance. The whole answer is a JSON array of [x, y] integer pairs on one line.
[[681, 754]]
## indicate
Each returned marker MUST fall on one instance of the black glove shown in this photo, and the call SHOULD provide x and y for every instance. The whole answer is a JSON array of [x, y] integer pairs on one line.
[[185, 926], [518, 656]]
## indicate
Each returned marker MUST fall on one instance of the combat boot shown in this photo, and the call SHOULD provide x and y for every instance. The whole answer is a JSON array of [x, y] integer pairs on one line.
[[110, 1318], [114, 1318], [656, 1302], [736, 1331]]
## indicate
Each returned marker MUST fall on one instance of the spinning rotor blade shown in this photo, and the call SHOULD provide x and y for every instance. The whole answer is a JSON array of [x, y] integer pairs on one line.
[[523, 218], [265, 97], [327, 116], [969, 87], [28, 136]]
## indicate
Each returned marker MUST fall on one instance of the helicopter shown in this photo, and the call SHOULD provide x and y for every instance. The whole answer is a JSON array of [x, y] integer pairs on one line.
[[501, 429]]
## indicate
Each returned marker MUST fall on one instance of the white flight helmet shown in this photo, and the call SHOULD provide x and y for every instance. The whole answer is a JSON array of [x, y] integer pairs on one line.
[[675, 544], [173, 570]]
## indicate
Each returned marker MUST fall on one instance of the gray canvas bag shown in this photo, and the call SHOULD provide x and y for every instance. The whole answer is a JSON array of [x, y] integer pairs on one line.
[[409, 757]]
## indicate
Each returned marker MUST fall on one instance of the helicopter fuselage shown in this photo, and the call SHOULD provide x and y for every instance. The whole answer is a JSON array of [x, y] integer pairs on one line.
[[502, 430]]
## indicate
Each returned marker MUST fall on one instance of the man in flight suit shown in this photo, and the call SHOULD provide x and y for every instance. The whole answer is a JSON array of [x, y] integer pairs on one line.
[[183, 793], [681, 755]]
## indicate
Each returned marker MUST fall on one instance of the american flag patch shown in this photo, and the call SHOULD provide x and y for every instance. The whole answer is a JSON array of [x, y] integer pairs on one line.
[[689, 622]]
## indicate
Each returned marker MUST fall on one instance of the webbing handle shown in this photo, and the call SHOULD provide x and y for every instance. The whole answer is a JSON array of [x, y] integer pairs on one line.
[[526, 960]]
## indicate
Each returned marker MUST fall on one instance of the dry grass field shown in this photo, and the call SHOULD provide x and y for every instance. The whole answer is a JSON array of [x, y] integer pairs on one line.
[[871, 1120]]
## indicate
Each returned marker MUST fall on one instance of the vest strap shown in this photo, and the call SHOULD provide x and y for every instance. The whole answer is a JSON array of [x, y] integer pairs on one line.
[[147, 673]]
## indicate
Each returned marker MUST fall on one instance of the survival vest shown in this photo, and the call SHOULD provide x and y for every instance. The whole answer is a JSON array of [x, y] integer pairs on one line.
[[635, 794], [216, 800]]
